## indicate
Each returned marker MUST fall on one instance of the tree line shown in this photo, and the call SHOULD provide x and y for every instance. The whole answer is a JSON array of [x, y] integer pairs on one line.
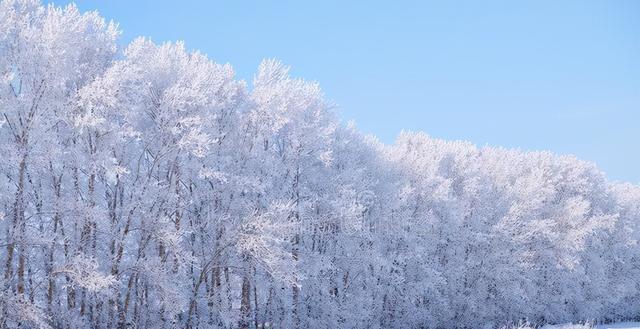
[[145, 186]]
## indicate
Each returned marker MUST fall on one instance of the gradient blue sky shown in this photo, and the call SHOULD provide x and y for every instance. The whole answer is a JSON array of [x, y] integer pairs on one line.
[[537, 75]]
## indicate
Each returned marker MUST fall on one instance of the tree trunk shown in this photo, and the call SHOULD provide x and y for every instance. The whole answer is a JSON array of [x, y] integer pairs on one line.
[[245, 303]]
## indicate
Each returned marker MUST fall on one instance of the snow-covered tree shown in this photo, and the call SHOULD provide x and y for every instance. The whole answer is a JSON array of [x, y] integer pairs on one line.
[[146, 186]]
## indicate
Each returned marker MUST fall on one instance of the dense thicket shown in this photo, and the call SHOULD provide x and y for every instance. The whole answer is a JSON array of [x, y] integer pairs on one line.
[[146, 187]]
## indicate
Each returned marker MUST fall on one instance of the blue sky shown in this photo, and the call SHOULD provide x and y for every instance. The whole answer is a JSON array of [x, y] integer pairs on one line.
[[537, 75]]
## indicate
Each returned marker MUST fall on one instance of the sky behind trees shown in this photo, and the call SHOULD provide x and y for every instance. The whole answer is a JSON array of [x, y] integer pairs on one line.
[[537, 75]]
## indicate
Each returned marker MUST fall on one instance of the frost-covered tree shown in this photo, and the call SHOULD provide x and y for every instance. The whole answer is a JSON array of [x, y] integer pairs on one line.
[[145, 186]]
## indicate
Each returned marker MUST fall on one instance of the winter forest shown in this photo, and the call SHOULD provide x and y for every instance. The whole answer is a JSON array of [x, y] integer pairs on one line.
[[143, 186]]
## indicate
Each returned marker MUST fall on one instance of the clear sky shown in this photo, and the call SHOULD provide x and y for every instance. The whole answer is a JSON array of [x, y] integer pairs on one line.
[[537, 75]]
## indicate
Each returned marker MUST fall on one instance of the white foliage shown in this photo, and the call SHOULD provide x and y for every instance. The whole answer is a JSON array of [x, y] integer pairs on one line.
[[147, 187], [84, 272]]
